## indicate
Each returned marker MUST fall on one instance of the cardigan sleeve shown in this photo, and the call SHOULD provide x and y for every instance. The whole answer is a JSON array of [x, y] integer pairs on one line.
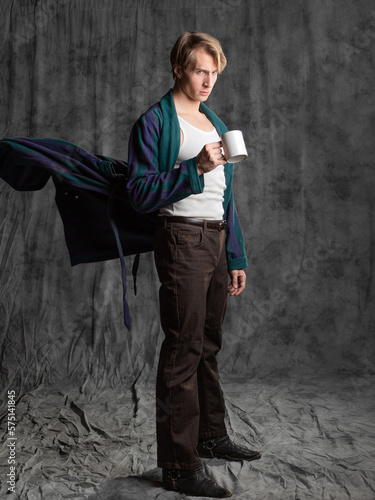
[[150, 185], [235, 247]]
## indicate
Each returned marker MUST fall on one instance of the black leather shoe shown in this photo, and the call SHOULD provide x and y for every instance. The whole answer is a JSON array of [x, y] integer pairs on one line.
[[222, 447], [193, 482]]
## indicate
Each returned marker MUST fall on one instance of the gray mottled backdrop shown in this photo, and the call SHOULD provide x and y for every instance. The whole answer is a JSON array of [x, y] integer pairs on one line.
[[300, 84]]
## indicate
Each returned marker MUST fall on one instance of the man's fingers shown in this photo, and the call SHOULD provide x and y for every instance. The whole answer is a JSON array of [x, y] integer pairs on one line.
[[210, 157], [235, 281], [238, 282], [214, 145], [233, 286]]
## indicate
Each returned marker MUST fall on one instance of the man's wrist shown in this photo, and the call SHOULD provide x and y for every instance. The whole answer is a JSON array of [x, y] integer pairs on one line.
[[199, 168], [196, 180]]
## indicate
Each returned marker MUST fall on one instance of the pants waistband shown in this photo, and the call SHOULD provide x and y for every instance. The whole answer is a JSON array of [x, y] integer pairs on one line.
[[219, 225]]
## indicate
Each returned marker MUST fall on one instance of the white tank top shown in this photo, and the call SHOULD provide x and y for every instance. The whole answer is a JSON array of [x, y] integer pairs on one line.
[[209, 204]]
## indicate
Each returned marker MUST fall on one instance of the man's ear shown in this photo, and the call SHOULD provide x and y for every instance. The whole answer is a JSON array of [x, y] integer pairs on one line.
[[177, 71]]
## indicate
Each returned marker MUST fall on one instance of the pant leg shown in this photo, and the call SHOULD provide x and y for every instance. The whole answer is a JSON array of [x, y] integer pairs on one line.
[[211, 402], [186, 258]]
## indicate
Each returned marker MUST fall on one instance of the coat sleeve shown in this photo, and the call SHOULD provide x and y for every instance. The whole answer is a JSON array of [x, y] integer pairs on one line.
[[150, 185], [235, 247]]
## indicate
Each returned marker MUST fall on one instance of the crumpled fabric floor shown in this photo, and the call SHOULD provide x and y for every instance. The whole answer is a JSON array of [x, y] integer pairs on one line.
[[317, 436]]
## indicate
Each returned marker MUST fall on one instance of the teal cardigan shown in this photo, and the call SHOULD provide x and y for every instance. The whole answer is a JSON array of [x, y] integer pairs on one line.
[[153, 182]]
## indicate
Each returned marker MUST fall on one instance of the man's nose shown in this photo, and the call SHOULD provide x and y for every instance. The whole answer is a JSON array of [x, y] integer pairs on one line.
[[208, 81]]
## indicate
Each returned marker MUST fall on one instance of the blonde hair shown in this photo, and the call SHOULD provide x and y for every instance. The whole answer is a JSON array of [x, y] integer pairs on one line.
[[183, 50]]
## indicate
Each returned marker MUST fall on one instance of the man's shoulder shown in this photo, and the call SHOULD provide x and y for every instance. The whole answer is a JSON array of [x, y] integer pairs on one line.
[[161, 107], [152, 119], [153, 112], [159, 112]]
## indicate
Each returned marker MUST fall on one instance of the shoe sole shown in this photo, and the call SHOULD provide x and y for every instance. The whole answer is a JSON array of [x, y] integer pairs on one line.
[[185, 492], [232, 459]]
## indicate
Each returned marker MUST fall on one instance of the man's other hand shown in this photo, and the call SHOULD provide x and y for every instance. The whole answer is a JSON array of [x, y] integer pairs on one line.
[[238, 282]]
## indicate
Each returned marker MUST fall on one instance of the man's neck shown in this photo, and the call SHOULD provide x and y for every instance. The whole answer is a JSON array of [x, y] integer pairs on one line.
[[184, 105]]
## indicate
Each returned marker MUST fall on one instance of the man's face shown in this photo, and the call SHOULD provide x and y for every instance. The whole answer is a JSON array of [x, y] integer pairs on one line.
[[199, 78]]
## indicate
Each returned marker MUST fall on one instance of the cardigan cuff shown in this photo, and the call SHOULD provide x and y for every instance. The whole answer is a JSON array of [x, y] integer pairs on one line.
[[237, 264], [196, 181]]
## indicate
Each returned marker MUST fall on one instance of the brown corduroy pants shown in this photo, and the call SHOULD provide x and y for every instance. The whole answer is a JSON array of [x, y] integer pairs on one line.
[[192, 268]]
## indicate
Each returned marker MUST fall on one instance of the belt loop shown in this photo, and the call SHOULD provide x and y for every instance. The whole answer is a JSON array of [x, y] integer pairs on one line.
[[164, 222], [205, 225]]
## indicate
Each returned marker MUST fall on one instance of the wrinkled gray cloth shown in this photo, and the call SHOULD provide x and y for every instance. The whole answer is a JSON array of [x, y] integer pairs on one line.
[[316, 436], [297, 361]]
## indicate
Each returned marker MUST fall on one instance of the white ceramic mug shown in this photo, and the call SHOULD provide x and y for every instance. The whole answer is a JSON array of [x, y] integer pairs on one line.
[[234, 146]]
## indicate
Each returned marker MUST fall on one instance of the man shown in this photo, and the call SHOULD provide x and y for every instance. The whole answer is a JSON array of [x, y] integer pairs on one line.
[[177, 167]]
